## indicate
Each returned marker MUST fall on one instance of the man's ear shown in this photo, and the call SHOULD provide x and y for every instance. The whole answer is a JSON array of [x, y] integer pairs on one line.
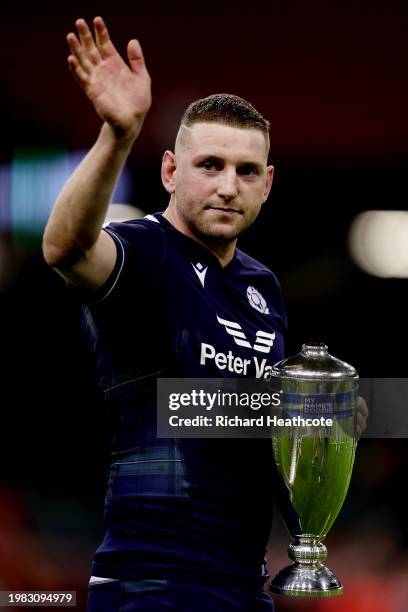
[[168, 171], [269, 179]]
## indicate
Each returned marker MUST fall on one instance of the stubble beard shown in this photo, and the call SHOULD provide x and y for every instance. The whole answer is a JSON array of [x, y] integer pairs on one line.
[[211, 233]]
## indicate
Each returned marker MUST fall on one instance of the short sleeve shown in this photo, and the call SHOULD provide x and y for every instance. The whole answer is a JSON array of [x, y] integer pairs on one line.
[[140, 247]]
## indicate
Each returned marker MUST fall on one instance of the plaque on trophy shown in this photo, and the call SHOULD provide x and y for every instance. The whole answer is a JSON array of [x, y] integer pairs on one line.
[[314, 462]]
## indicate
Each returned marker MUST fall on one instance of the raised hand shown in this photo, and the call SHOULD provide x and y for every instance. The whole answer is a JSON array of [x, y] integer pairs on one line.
[[120, 92]]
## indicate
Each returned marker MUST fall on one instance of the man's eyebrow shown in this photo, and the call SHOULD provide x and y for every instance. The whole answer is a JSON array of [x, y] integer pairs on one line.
[[254, 164], [204, 156]]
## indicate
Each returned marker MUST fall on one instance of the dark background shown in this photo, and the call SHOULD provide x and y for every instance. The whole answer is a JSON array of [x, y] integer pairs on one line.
[[331, 78]]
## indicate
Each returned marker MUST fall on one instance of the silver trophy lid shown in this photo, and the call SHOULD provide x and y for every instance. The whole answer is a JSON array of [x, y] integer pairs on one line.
[[314, 363]]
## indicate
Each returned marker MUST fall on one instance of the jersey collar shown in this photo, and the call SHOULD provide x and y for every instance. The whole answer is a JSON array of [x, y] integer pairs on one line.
[[193, 248]]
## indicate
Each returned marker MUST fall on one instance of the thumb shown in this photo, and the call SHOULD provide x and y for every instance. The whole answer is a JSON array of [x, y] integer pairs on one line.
[[135, 55]]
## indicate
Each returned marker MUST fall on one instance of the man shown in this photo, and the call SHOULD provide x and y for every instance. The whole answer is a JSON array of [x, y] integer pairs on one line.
[[187, 520]]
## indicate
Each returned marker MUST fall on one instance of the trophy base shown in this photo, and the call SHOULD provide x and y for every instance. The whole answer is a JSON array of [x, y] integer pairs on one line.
[[300, 581]]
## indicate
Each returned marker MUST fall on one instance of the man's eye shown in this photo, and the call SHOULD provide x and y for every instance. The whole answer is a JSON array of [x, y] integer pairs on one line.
[[210, 165], [247, 170]]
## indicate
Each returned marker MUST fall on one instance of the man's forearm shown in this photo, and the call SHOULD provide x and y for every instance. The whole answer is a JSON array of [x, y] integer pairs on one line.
[[79, 212]]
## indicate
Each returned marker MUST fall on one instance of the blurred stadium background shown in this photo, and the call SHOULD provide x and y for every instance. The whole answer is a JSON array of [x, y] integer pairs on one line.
[[331, 77]]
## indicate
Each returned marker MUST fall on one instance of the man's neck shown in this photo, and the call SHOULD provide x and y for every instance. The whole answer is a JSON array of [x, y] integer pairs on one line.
[[224, 251]]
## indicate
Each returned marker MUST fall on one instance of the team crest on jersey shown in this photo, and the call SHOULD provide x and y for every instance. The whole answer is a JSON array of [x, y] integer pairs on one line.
[[256, 300]]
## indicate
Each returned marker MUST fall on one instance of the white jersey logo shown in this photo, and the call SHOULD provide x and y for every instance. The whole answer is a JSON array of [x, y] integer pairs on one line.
[[263, 340], [200, 271], [152, 218], [256, 300]]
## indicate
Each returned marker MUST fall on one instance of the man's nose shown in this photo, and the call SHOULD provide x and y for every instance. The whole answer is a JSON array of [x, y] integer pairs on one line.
[[227, 184]]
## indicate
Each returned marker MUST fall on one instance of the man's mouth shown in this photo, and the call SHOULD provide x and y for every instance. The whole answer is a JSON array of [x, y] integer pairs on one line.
[[227, 211]]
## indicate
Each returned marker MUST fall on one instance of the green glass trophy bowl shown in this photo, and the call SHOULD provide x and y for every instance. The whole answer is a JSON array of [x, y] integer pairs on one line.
[[315, 463]]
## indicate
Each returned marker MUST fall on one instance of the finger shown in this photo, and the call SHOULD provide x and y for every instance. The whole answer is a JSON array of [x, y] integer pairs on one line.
[[135, 55], [360, 422], [78, 52], [362, 406], [103, 41], [77, 70], [361, 425], [87, 41]]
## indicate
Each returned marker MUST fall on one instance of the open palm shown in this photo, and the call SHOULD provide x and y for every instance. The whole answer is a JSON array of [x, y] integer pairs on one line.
[[120, 92]]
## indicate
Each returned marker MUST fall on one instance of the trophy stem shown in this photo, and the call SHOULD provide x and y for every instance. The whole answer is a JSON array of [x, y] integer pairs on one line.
[[307, 576]]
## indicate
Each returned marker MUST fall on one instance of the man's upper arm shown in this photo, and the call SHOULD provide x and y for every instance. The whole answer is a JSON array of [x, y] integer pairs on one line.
[[92, 270]]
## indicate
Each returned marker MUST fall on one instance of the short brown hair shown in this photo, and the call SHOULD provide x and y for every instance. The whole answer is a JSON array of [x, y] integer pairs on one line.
[[225, 108]]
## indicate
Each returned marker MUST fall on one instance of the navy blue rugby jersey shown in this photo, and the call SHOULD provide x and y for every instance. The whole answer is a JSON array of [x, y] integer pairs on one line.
[[169, 309]]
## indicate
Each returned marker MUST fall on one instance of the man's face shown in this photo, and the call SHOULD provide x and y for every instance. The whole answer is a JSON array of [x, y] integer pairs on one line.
[[220, 179]]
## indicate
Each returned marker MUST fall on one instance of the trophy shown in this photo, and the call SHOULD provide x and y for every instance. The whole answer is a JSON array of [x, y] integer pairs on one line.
[[313, 463]]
